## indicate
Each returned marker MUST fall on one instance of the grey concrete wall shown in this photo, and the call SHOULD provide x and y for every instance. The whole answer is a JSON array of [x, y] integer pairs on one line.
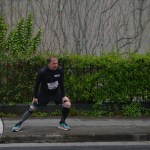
[[85, 26]]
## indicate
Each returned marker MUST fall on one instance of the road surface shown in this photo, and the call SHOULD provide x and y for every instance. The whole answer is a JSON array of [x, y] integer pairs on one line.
[[78, 146]]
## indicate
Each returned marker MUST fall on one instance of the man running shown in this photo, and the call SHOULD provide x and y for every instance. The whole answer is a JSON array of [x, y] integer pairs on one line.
[[49, 85]]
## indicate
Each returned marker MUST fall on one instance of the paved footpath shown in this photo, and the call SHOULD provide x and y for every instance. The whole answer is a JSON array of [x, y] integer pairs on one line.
[[82, 130]]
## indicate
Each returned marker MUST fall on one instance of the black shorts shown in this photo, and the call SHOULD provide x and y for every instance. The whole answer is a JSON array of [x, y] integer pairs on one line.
[[44, 99]]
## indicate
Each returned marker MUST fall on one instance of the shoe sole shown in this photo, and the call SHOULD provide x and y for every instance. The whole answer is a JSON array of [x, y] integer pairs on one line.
[[63, 128], [16, 130]]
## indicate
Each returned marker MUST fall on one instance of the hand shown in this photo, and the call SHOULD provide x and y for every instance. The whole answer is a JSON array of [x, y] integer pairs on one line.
[[35, 100]]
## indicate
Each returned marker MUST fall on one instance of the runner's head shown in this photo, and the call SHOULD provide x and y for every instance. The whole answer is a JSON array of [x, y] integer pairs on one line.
[[52, 63]]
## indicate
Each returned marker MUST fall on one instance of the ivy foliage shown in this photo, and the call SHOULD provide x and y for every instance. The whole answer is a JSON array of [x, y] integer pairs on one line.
[[20, 39]]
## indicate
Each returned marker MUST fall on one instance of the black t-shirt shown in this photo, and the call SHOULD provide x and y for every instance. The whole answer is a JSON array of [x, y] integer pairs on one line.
[[49, 81]]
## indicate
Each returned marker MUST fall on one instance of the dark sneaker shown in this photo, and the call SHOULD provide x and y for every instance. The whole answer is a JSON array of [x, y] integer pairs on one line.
[[63, 126], [16, 127]]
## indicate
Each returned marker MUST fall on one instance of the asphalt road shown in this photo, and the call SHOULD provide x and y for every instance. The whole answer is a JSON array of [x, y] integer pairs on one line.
[[79, 146]]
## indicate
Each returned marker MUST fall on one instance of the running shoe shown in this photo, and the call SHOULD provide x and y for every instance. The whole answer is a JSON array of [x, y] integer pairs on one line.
[[16, 127], [63, 126]]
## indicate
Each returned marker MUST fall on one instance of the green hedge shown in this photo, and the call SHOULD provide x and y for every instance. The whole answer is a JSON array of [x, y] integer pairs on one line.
[[110, 77]]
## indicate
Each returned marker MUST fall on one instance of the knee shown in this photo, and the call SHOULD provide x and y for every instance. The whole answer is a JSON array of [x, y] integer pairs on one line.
[[66, 103], [32, 108]]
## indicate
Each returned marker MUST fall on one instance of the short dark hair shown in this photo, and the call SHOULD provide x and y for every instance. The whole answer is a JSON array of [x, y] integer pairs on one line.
[[50, 59]]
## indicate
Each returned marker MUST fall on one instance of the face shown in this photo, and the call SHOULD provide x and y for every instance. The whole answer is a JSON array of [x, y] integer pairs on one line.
[[53, 65]]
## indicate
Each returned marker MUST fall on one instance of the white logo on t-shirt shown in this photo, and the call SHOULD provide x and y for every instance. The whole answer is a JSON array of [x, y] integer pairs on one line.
[[57, 75], [52, 85]]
